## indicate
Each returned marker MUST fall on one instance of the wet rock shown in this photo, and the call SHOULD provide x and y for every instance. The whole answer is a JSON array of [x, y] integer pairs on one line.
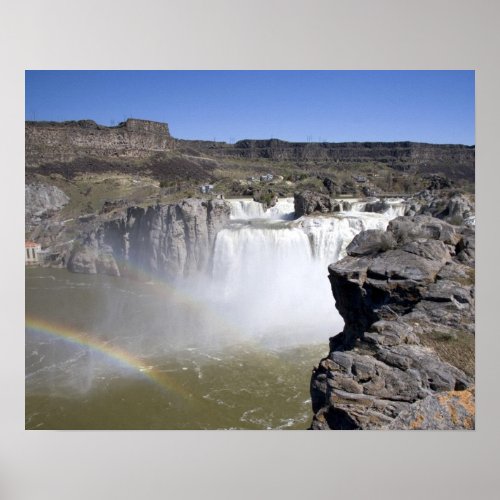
[[308, 202], [378, 207]]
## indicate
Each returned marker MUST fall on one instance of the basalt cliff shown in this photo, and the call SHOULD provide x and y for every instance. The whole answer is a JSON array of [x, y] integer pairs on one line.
[[163, 240], [49, 142], [405, 358], [71, 143]]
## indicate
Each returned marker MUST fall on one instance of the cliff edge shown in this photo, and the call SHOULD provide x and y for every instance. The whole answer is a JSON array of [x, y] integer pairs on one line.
[[407, 348], [166, 240]]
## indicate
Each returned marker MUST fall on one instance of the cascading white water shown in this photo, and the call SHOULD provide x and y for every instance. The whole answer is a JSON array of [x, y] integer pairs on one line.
[[245, 209], [270, 273], [329, 236], [356, 205], [396, 207]]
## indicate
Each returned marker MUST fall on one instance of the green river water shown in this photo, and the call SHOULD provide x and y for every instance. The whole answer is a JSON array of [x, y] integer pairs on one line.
[[113, 353]]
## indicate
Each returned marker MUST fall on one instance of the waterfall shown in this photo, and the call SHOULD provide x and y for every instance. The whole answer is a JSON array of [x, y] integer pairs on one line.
[[269, 273], [329, 236], [245, 209], [396, 208], [356, 205]]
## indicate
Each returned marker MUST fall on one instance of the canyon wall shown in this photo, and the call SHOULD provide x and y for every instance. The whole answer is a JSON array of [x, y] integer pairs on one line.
[[164, 240], [47, 142], [399, 154], [64, 142]]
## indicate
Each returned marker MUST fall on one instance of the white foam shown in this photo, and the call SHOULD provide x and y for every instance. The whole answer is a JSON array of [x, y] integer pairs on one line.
[[247, 209]]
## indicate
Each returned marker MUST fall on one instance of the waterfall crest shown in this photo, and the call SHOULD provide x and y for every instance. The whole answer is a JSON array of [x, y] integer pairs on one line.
[[269, 272], [246, 209]]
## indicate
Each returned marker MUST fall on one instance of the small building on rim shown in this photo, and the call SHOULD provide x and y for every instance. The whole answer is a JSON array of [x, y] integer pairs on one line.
[[31, 252]]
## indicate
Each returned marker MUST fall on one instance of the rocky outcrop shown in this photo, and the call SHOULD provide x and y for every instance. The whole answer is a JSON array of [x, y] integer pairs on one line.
[[309, 202], [48, 142], [42, 200], [267, 197], [377, 206], [93, 256], [166, 240], [407, 299], [453, 207]]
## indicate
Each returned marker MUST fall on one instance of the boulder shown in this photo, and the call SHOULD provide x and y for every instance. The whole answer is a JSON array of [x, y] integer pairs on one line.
[[377, 206], [370, 242], [309, 202], [407, 229]]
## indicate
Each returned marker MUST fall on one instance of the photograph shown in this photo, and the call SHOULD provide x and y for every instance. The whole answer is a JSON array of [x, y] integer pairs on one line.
[[250, 249]]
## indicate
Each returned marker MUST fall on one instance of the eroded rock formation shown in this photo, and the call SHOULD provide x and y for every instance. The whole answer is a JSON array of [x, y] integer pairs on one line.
[[42, 200], [169, 240], [407, 298]]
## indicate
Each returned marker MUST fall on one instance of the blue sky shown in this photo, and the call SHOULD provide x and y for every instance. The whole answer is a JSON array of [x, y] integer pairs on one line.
[[337, 106]]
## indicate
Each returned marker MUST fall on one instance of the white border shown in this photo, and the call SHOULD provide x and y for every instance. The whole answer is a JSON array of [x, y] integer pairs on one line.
[[243, 34]]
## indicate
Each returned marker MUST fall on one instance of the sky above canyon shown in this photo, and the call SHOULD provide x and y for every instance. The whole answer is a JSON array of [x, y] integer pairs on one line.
[[333, 106]]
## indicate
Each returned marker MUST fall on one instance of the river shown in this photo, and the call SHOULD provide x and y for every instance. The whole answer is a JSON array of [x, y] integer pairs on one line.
[[232, 349]]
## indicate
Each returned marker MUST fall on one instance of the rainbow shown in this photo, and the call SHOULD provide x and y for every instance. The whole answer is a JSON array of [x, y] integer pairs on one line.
[[166, 288], [112, 353]]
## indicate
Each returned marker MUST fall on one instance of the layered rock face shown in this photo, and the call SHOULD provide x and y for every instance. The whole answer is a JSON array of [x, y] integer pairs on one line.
[[407, 298], [48, 142], [169, 240], [354, 151], [42, 200], [427, 157]]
